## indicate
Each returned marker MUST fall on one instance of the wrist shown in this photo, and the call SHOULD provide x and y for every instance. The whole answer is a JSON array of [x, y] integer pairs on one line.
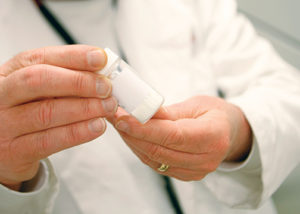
[[242, 138]]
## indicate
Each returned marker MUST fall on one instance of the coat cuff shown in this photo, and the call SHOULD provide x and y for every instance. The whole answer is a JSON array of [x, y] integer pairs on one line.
[[252, 161], [39, 195], [240, 186]]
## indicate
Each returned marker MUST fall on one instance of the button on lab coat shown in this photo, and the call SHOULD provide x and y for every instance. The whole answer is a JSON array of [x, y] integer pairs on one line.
[[197, 47]]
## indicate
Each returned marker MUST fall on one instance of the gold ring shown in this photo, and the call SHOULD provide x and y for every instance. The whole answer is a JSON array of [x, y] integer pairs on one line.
[[163, 167]]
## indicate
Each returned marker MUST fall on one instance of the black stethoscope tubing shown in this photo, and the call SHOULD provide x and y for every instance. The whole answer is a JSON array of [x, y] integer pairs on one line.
[[69, 39]]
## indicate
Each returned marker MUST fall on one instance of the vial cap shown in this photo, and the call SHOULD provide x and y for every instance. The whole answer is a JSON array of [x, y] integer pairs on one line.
[[111, 59]]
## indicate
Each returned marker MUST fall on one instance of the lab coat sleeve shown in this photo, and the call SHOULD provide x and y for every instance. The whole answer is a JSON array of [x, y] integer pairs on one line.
[[40, 200], [253, 77]]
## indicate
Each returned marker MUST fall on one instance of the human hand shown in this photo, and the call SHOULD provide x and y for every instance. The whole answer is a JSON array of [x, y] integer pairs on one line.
[[50, 100], [192, 137]]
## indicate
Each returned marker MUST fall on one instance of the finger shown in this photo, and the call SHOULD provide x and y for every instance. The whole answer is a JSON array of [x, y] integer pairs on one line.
[[76, 57], [191, 108], [161, 154], [186, 135], [36, 146], [164, 113], [38, 81], [45, 114], [175, 172], [120, 112]]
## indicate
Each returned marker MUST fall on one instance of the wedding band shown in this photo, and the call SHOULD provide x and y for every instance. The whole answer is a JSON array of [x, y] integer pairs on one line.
[[163, 167]]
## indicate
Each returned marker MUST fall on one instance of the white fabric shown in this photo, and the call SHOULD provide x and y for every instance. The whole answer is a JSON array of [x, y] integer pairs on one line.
[[40, 200], [197, 46], [252, 161]]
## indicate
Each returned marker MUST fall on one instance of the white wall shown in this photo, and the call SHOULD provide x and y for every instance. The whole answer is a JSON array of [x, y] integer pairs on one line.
[[279, 21]]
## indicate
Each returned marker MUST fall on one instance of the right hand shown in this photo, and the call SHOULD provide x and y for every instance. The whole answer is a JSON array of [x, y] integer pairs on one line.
[[50, 100]]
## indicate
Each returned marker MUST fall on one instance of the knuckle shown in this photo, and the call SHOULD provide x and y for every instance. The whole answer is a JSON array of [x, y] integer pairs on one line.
[[9, 151], [12, 150], [155, 152], [32, 57], [35, 76], [79, 83], [2, 86], [6, 91], [5, 133], [45, 113], [30, 77], [87, 106], [72, 135], [42, 144]]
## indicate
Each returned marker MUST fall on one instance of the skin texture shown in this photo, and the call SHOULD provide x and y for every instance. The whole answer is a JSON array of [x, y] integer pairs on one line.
[[192, 137], [50, 100]]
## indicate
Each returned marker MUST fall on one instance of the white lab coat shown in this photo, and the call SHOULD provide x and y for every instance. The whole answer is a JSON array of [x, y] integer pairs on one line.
[[196, 47]]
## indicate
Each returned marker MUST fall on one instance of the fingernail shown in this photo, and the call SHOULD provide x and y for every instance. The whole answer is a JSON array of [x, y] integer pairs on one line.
[[103, 87], [97, 125], [96, 58], [110, 105], [122, 126]]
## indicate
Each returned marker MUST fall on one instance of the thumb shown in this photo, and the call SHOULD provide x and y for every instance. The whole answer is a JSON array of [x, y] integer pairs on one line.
[[190, 108], [168, 113], [163, 114]]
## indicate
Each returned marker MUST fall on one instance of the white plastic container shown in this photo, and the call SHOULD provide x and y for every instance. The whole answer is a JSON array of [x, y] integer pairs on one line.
[[132, 93]]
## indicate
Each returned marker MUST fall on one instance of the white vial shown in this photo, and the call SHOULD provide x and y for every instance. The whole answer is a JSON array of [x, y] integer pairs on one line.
[[132, 93]]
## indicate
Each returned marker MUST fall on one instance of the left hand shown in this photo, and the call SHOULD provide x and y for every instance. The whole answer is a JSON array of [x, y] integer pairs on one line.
[[192, 137]]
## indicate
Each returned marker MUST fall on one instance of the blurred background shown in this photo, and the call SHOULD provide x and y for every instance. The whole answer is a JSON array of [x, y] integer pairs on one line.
[[279, 21]]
